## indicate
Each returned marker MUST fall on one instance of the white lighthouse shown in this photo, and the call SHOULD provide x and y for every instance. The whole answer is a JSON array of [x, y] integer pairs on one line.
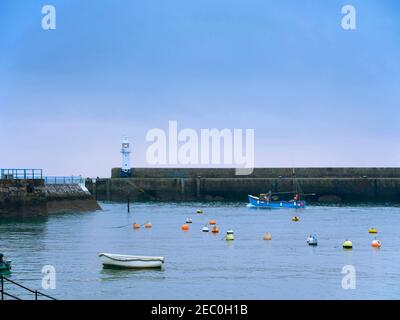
[[126, 164]]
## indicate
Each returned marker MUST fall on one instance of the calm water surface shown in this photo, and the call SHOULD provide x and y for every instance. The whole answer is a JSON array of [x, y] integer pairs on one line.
[[202, 265]]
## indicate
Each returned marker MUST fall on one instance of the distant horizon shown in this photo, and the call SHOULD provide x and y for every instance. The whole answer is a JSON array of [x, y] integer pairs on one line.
[[316, 94]]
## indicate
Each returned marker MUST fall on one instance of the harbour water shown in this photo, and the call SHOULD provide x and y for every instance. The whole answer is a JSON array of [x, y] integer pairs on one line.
[[202, 265]]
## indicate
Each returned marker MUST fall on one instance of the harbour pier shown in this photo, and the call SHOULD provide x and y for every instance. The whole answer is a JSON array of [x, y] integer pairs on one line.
[[26, 192], [334, 185]]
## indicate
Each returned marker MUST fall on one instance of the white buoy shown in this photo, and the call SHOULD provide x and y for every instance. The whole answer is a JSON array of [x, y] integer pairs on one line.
[[312, 240], [205, 229]]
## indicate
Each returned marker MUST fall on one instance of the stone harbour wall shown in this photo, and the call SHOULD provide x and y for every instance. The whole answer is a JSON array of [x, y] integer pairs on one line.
[[204, 184], [31, 197]]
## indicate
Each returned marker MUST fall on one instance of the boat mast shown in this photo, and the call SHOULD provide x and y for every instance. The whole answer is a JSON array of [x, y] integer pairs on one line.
[[294, 182]]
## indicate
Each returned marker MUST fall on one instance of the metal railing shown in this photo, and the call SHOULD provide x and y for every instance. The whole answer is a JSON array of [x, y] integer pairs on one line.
[[63, 180], [21, 174], [36, 293]]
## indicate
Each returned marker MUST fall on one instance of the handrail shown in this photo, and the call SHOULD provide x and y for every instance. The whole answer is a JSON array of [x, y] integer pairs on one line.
[[17, 284], [9, 295], [21, 173], [36, 292], [63, 179], [45, 295]]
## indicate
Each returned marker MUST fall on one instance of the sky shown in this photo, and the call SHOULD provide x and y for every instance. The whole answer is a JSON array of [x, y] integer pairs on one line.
[[315, 94]]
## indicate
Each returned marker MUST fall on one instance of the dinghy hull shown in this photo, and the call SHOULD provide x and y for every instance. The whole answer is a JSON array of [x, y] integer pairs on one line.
[[130, 262]]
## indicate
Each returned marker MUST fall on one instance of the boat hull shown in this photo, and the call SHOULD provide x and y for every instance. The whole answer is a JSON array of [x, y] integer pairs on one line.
[[255, 202], [5, 266], [130, 262]]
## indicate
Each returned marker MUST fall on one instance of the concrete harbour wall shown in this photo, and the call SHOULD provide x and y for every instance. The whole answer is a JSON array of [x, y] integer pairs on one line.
[[179, 184]]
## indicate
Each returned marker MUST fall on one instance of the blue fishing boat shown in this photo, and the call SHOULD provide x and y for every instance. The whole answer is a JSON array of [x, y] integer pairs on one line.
[[271, 199], [261, 202]]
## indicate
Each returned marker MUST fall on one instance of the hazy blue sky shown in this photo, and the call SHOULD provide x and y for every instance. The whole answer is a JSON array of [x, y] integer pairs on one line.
[[316, 95]]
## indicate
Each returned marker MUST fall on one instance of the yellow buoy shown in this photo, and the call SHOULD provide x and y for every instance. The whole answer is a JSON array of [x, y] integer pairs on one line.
[[212, 222], [267, 236], [229, 235], [376, 243], [372, 230], [148, 225], [136, 226], [199, 211], [347, 244], [185, 227], [295, 218]]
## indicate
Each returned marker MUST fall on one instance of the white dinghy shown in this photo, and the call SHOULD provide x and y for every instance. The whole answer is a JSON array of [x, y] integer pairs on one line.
[[125, 261]]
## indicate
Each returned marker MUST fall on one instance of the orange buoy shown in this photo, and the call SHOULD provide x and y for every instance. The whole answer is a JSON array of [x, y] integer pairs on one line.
[[136, 226], [376, 243], [212, 222], [148, 225], [215, 229], [267, 236], [185, 227]]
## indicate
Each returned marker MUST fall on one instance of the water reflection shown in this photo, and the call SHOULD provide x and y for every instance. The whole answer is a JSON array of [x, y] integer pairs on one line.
[[115, 273]]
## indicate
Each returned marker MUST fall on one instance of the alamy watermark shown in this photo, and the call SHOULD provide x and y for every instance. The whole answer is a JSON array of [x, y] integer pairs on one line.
[[49, 278], [348, 21], [349, 18], [233, 147], [349, 280], [49, 18]]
